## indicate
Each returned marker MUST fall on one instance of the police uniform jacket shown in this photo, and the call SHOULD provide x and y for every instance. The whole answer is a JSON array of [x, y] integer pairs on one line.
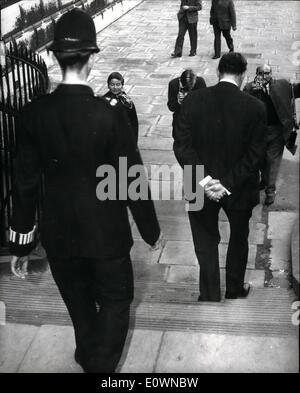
[[66, 136]]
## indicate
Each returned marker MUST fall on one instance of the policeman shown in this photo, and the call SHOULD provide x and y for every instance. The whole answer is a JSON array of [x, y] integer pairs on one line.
[[67, 136]]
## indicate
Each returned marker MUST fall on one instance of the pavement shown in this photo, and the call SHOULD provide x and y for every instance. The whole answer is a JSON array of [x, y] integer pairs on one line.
[[170, 331]]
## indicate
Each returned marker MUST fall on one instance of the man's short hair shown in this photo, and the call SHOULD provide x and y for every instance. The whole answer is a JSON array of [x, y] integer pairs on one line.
[[263, 68], [186, 75], [232, 63], [73, 59]]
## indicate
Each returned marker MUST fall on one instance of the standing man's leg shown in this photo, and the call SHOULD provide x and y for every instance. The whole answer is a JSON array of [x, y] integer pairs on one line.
[[73, 277], [182, 26], [229, 40], [237, 253], [206, 237], [114, 293], [193, 34], [217, 40], [274, 152]]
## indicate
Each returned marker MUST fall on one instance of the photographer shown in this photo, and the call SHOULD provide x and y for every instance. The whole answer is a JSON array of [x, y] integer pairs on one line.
[[180, 87], [117, 96], [278, 96]]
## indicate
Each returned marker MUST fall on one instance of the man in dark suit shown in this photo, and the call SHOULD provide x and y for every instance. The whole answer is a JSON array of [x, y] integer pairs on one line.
[[187, 19], [222, 18], [179, 88], [277, 96], [222, 129], [69, 135]]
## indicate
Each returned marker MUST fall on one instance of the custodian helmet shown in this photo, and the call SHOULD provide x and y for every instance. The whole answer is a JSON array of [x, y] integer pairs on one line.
[[74, 31]]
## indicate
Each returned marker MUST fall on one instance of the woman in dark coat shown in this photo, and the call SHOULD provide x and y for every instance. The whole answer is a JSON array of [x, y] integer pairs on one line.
[[117, 96], [222, 18]]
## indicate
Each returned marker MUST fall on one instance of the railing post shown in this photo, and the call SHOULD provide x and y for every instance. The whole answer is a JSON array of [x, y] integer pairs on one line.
[[23, 74]]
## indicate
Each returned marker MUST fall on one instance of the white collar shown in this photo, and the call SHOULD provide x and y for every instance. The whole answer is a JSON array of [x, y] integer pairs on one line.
[[229, 81]]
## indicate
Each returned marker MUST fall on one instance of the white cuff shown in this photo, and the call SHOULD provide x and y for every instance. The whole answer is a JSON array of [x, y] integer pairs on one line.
[[206, 180]]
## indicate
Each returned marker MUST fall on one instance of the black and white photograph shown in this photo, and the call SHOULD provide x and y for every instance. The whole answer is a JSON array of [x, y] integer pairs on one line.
[[149, 189]]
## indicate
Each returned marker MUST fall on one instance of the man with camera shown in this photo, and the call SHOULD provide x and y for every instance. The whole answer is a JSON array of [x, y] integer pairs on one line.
[[180, 87], [278, 97]]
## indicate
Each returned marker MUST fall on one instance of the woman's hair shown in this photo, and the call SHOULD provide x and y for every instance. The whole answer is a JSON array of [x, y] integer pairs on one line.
[[187, 78], [115, 75], [73, 59]]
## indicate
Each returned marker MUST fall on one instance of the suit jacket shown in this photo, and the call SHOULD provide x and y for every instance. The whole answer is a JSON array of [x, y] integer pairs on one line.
[[67, 135], [192, 12], [173, 90], [280, 91], [222, 12], [223, 129]]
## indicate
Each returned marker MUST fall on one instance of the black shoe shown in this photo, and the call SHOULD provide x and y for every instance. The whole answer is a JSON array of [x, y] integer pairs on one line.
[[231, 50], [203, 299], [192, 54], [215, 57], [269, 199], [175, 54], [244, 293]]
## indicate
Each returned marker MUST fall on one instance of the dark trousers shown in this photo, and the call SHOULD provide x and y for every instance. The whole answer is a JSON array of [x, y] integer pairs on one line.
[[272, 159], [192, 29], [217, 40], [97, 294], [206, 237]]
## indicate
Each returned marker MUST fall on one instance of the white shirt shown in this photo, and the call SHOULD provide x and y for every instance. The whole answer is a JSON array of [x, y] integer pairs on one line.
[[229, 81]]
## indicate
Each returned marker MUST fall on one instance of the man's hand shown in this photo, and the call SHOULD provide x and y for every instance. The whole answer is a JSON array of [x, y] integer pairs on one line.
[[214, 190], [18, 266], [185, 7], [159, 243], [234, 28], [180, 97]]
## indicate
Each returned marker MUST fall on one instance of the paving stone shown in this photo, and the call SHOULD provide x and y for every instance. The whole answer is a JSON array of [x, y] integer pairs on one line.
[[141, 252], [179, 253], [53, 350], [136, 360], [158, 157], [281, 224], [242, 354], [280, 254], [149, 272], [165, 120], [190, 275], [155, 143], [15, 340]]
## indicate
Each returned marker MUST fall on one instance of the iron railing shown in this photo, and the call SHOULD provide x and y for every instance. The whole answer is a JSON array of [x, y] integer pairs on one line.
[[23, 77]]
